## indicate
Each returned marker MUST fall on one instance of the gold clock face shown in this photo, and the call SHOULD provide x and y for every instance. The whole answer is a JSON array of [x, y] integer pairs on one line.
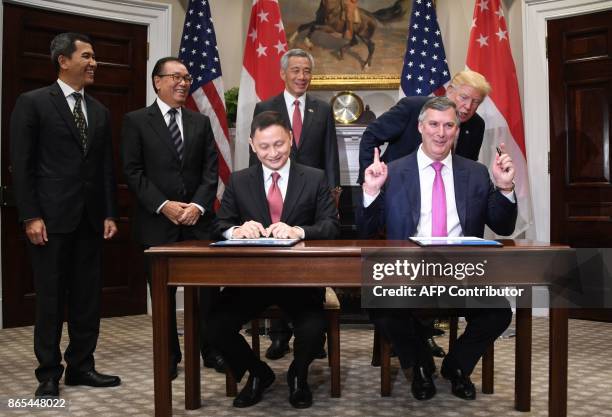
[[347, 107]]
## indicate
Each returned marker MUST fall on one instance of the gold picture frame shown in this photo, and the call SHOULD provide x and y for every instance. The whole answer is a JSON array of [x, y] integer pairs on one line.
[[347, 70]]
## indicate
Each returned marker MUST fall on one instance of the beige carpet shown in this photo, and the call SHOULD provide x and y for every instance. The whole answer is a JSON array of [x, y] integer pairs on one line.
[[125, 349]]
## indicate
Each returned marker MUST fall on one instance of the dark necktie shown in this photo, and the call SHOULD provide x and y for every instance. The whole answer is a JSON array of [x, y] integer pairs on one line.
[[79, 119], [297, 123], [438, 203], [175, 133], [275, 199]]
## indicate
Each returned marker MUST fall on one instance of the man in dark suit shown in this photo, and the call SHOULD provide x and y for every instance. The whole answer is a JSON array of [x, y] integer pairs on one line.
[[434, 193], [61, 154], [314, 144], [398, 127], [170, 163], [283, 199]]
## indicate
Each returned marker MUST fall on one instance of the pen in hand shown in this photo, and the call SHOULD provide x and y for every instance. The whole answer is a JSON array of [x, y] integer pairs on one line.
[[499, 153]]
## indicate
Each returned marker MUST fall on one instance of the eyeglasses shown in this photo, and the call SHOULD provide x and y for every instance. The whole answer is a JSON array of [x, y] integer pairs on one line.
[[177, 78]]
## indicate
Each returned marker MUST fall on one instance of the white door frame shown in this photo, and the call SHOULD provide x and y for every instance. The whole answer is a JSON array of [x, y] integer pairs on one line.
[[536, 14], [156, 16]]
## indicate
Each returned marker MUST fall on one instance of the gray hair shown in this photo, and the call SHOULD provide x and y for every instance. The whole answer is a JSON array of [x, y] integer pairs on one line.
[[65, 44], [300, 53], [439, 104]]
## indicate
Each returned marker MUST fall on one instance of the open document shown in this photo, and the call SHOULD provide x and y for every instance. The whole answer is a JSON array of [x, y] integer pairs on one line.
[[262, 241], [454, 241]]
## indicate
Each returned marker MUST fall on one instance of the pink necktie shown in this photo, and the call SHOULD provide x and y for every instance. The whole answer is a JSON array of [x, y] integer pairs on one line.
[[438, 203], [297, 122], [275, 199]]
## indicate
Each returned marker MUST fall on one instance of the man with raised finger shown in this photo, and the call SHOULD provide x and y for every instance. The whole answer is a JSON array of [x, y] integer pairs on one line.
[[432, 192], [282, 199]]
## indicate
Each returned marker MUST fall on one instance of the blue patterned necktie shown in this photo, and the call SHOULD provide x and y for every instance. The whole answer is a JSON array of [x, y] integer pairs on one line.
[[79, 119], [175, 133]]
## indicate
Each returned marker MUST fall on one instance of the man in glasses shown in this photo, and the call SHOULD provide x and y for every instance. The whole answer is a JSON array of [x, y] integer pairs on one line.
[[170, 163]]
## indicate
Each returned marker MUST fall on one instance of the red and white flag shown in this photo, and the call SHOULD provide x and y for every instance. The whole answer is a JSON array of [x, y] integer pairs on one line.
[[198, 51], [260, 79], [489, 54]]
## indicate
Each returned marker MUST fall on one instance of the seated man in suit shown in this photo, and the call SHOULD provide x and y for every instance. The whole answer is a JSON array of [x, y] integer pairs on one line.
[[432, 192], [283, 199], [314, 144], [399, 128]]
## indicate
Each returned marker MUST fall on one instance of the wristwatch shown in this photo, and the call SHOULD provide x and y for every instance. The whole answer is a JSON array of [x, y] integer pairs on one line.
[[347, 107]]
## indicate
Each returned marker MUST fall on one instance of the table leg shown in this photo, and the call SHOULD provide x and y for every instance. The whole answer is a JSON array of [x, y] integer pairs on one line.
[[522, 365], [161, 349], [193, 398], [557, 362]]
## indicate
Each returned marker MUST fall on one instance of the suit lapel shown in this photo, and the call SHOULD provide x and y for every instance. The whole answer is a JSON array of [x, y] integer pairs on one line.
[[412, 187], [158, 124], [258, 193], [294, 190], [187, 132], [92, 118], [460, 178], [61, 104], [310, 112]]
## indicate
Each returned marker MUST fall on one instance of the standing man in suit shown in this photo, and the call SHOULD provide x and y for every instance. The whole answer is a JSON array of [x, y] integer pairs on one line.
[[434, 193], [283, 199], [170, 163], [314, 144], [399, 125], [61, 153]]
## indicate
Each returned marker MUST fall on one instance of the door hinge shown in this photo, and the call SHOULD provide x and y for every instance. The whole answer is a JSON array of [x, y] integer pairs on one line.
[[148, 50], [546, 46], [548, 163], [7, 199]]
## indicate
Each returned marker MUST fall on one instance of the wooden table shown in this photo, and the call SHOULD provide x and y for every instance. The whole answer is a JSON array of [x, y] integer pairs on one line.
[[321, 264]]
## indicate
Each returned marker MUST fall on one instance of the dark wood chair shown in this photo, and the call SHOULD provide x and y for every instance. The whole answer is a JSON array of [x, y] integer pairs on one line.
[[332, 311]]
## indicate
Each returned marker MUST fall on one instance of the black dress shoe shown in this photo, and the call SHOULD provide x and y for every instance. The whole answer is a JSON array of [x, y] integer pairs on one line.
[[436, 350], [216, 362], [173, 371], [277, 349], [47, 388], [253, 390], [462, 386], [91, 378], [300, 395], [423, 387]]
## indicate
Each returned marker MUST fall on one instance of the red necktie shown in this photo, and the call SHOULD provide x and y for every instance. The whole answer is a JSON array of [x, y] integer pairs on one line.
[[297, 122], [275, 199], [438, 203]]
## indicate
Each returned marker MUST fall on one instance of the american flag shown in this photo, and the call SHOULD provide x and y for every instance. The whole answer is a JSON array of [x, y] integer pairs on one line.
[[489, 54], [425, 70], [260, 78], [199, 53]]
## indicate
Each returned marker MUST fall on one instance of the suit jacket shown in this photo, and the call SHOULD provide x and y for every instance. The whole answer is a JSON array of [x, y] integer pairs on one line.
[[399, 127], [155, 173], [399, 206], [318, 144], [308, 202], [53, 178]]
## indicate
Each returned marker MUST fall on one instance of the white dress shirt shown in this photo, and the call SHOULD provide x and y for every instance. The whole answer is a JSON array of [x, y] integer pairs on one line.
[[289, 99], [67, 90]]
